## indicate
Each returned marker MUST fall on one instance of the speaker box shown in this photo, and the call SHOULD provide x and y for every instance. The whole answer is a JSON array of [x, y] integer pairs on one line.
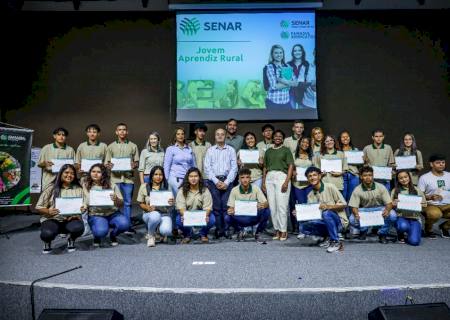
[[80, 314], [427, 311]]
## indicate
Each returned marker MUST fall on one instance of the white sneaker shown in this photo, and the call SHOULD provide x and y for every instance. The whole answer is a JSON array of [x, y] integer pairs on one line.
[[301, 235], [147, 236], [151, 241], [325, 243], [341, 236], [334, 246], [317, 238]]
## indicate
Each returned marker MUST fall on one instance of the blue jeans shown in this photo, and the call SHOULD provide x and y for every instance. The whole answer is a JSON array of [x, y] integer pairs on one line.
[[412, 227], [220, 200], [154, 219], [187, 231], [237, 222], [100, 225], [383, 231], [126, 189], [330, 226], [174, 184], [351, 181]]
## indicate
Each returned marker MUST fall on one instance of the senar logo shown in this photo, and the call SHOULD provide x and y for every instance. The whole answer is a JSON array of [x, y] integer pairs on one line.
[[189, 27], [284, 35], [284, 24]]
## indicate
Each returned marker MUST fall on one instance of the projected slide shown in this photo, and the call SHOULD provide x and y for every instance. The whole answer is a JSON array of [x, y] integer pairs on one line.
[[248, 66]]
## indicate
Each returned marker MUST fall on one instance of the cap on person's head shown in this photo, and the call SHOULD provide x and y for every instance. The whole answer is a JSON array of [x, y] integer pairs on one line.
[[436, 157], [312, 169], [200, 125], [267, 126]]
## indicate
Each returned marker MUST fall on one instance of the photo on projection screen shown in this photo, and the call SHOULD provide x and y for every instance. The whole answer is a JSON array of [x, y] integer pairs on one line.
[[247, 66]]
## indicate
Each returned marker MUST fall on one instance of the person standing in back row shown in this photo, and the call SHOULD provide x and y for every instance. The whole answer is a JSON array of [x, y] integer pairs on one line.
[[91, 149], [199, 146], [232, 138]]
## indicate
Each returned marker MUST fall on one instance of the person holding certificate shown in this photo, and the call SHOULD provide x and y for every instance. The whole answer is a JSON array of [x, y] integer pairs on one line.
[[90, 152], [156, 200], [53, 221], [332, 206], [278, 169], [247, 206], [122, 157], [408, 148], [409, 220], [221, 169], [379, 154], [178, 159], [332, 162], [199, 146], [255, 167], [436, 186], [267, 133], [371, 194], [297, 133], [152, 155], [194, 196], [316, 139], [50, 153], [351, 177], [103, 200]]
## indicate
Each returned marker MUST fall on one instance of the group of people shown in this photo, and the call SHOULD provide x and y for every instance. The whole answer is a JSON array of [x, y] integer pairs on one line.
[[212, 177]]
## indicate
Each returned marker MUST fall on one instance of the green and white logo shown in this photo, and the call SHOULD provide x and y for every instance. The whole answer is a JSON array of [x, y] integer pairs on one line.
[[189, 27], [284, 35], [284, 24], [3, 137]]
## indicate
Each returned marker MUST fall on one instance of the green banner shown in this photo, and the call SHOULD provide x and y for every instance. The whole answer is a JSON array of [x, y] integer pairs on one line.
[[15, 160]]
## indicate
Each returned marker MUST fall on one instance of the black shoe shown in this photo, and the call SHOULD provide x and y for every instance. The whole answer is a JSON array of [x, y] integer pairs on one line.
[[362, 236], [47, 248], [382, 239], [401, 238], [97, 242], [171, 240], [71, 245], [430, 235], [114, 241], [444, 233], [240, 236]]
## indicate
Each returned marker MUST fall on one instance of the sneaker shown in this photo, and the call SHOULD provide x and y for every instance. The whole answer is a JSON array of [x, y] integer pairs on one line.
[[341, 236], [186, 240], [325, 244], [114, 241], [130, 232], [240, 236], [444, 233], [401, 238], [63, 235], [382, 239], [257, 236], [362, 236], [301, 236], [317, 239], [71, 245], [147, 236], [204, 239], [47, 248], [157, 237], [430, 235], [334, 246], [97, 242], [151, 241]]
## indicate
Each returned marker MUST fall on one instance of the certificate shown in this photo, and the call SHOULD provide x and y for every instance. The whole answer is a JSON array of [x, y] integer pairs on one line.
[[354, 157], [409, 202], [307, 212], [406, 162], [121, 164], [249, 156], [69, 206], [246, 208], [445, 194], [160, 198], [86, 164], [382, 173], [101, 198], [331, 165], [370, 217], [58, 163], [300, 173], [194, 218]]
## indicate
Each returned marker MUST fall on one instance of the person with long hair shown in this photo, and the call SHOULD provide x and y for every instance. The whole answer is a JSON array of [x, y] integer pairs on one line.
[[310, 96], [64, 185], [316, 139], [155, 216], [178, 159], [301, 68], [193, 195], [278, 169], [351, 177], [101, 218], [255, 168], [152, 155], [408, 222], [408, 147]]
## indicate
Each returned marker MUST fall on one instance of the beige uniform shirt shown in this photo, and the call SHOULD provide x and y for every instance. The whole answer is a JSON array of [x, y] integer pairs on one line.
[[194, 200], [329, 195], [255, 170], [199, 151], [383, 156], [121, 150], [410, 214], [91, 151], [150, 159], [263, 146], [337, 181], [253, 194], [49, 152], [374, 196], [305, 163], [316, 148], [144, 197], [101, 211], [291, 143], [47, 201], [419, 161]]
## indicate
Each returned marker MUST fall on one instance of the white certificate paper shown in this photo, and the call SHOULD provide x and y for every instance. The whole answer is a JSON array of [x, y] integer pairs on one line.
[[69, 206], [58, 163], [382, 173], [246, 208], [331, 165], [160, 198], [445, 196], [368, 218], [354, 157], [409, 202], [121, 164], [406, 162], [249, 156], [194, 218], [306, 212], [300, 173], [101, 198], [86, 164]]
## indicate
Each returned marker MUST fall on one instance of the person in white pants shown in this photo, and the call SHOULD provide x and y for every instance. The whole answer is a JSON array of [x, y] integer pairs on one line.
[[278, 168]]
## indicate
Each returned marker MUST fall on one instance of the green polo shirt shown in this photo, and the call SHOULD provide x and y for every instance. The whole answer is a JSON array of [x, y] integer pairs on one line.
[[278, 159]]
